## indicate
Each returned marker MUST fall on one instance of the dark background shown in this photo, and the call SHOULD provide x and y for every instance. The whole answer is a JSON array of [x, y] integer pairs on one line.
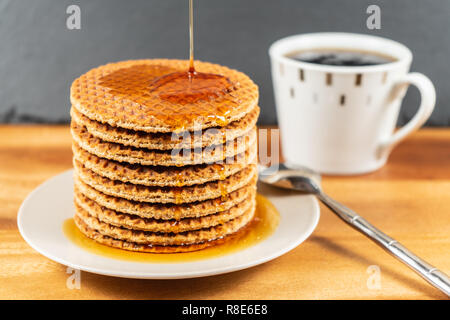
[[39, 56]]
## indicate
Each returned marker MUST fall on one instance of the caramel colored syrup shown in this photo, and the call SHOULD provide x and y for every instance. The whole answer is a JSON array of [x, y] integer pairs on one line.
[[223, 188], [261, 227], [190, 86], [177, 98], [183, 88]]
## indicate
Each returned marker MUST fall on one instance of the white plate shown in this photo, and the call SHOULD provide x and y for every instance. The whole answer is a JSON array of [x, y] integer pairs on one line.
[[44, 211]]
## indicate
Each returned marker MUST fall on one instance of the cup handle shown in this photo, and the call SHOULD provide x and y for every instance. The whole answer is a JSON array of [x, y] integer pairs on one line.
[[428, 100]]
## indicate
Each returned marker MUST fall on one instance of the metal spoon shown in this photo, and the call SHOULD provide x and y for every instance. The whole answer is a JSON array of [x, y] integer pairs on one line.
[[308, 181]]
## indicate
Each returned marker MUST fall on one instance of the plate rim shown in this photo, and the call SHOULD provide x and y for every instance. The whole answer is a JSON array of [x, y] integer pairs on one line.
[[152, 275]]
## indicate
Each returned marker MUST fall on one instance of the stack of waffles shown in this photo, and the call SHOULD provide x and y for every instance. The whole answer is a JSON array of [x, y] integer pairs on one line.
[[162, 175]]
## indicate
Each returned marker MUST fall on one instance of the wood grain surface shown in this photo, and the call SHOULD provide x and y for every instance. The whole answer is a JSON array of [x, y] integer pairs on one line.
[[409, 199]]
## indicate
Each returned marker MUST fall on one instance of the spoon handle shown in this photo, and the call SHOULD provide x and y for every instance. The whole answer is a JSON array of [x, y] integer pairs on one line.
[[431, 274]]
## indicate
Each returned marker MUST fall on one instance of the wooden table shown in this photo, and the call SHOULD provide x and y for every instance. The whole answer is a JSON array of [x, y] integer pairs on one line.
[[409, 199]]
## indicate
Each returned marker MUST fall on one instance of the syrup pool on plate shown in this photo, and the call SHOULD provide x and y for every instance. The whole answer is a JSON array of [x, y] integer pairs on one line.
[[261, 227]]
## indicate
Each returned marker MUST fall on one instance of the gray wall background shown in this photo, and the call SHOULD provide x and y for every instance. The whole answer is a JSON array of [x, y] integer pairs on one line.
[[39, 56]]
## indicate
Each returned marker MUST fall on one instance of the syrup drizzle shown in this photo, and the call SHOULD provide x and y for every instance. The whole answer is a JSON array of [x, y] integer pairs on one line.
[[189, 91], [191, 86], [191, 36]]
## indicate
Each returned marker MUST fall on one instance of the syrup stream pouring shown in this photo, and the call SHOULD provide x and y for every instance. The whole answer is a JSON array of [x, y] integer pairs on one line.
[[308, 181], [191, 37]]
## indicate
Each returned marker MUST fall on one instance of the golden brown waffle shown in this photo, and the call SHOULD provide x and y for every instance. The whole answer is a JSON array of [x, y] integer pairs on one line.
[[119, 94], [166, 211], [144, 181], [118, 152], [209, 190], [156, 238], [164, 176], [168, 141], [132, 246], [128, 221]]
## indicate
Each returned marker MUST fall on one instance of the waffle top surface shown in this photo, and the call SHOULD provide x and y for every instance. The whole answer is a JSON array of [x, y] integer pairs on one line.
[[121, 95]]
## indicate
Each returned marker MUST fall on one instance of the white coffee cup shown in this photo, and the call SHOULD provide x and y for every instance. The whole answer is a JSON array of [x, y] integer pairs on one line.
[[339, 119]]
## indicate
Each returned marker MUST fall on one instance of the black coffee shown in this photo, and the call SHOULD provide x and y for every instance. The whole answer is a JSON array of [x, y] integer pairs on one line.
[[340, 58]]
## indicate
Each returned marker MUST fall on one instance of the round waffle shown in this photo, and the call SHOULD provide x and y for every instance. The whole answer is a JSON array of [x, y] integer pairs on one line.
[[118, 152], [166, 211], [157, 238], [164, 176], [168, 141], [120, 95], [128, 221], [209, 190]]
